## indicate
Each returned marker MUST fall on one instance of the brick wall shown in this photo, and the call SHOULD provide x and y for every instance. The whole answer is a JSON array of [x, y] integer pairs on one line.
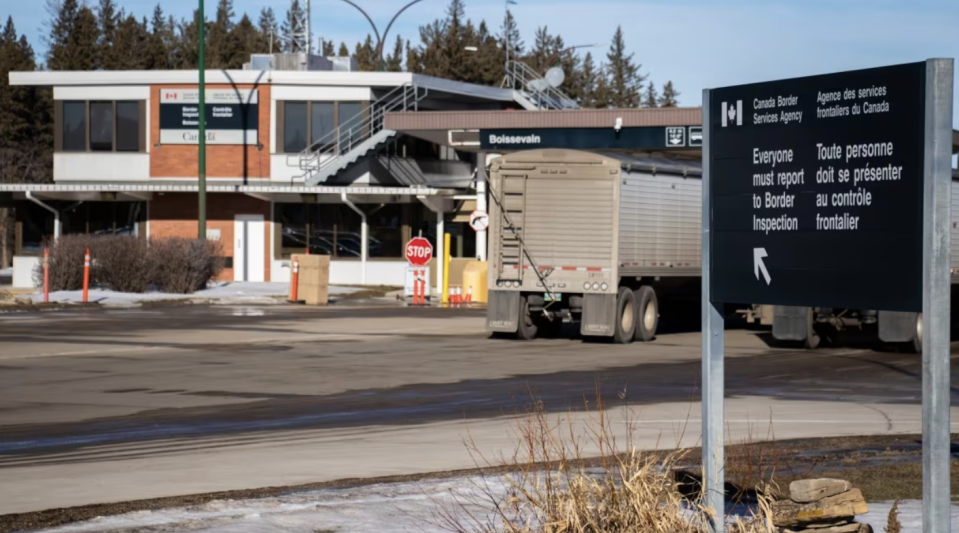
[[175, 215], [222, 161]]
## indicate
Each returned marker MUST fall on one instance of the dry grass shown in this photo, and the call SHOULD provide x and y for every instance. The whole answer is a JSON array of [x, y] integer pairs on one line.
[[550, 489], [892, 522]]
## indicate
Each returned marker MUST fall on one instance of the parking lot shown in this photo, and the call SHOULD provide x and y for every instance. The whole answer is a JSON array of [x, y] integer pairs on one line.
[[127, 404]]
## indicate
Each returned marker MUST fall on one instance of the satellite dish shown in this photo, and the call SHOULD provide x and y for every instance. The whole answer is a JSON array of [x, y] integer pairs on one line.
[[555, 76]]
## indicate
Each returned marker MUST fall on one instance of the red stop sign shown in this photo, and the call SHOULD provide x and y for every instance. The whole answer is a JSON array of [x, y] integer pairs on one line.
[[419, 251]]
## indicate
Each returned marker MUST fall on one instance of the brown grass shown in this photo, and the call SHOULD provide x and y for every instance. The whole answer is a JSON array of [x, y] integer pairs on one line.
[[549, 488], [892, 522]]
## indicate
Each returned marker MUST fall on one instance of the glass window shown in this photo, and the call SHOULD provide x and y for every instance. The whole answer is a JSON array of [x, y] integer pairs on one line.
[[350, 121], [334, 230], [128, 126], [101, 126], [386, 231], [74, 126], [294, 127], [322, 124]]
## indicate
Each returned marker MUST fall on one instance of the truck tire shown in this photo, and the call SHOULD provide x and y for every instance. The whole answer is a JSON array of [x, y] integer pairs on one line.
[[812, 337], [526, 327], [647, 313], [625, 316]]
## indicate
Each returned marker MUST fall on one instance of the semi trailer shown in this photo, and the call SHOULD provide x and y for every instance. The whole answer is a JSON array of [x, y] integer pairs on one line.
[[589, 238], [613, 243]]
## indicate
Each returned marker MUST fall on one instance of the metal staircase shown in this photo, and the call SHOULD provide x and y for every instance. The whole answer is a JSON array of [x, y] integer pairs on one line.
[[358, 136], [532, 91]]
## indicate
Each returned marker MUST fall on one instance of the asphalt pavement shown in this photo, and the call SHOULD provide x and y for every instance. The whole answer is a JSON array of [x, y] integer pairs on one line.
[[100, 406]]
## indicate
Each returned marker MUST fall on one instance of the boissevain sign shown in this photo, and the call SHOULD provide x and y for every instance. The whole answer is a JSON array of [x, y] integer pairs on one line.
[[232, 116]]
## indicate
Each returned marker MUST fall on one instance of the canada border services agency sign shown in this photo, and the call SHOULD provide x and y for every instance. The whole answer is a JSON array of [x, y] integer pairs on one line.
[[232, 116]]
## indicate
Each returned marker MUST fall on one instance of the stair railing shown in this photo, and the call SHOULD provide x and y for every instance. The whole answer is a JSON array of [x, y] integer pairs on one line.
[[347, 135]]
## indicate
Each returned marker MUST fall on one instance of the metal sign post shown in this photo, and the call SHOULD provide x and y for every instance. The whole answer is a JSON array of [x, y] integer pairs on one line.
[[832, 192], [936, 376], [714, 403]]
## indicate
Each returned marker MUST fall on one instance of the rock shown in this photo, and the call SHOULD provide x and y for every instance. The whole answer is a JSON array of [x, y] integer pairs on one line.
[[851, 527], [813, 490], [845, 506]]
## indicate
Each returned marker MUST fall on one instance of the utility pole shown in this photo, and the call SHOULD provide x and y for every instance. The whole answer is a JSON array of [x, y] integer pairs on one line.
[[201, 170]]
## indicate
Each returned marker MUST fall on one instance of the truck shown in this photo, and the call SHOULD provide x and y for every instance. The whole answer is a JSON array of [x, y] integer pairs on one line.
[[595, 239], [613, 242]]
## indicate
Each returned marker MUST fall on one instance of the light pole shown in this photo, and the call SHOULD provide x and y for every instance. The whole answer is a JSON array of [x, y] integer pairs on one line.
[[201, 163], [380, 39]]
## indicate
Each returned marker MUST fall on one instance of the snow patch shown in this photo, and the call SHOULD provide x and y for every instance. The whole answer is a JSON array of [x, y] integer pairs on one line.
[[224, 292], [408, 506]]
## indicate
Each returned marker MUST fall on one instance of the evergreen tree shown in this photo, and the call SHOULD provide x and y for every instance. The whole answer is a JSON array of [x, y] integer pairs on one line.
[[365, 54], [218, 52], [459, 34], [394, 62], [328, 50], [583, 87], [109, 55], [186, 53], [623, 78], [133, 38], [510, 37], [489, 57], [25, 125], [242, 43], [158, 43], [62, 23], [269, 32], [412, 59], [651, 96], [670, 96], [344, 51]]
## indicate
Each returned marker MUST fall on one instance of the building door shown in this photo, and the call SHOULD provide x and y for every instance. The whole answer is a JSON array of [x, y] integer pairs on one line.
[[249, 248]]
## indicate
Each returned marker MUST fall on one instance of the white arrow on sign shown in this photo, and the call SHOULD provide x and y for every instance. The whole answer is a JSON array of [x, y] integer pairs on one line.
[[758, 254]]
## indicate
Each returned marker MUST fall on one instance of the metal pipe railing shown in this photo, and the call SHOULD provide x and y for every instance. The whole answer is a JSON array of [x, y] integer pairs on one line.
[[358, 128], [522, 77]]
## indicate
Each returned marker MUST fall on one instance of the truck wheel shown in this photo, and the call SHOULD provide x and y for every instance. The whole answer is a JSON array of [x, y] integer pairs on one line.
[[917, 340], [647, 313], [526, 329], [812, 338], [625, 316]]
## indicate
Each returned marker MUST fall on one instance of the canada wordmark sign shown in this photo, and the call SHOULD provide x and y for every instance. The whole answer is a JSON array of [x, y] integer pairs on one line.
[[232, 116]]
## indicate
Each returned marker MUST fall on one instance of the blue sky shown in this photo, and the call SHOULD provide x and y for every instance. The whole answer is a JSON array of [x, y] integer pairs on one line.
[[694, 43]]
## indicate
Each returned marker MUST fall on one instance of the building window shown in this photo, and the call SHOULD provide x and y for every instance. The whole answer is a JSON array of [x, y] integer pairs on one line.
[[322, 124], [351, 119], [101, 126], [294, 127], [336, 230], [74, 126], [318, 122], [128, 126]]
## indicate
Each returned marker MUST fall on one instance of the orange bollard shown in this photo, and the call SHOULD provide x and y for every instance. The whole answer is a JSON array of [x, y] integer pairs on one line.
[[86, 276], [46, 275], [469, 294], [295, 282], [418, 297], [419, 288]]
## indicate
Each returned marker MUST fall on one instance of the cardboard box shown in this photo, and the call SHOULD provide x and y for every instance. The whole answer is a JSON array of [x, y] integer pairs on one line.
[[314, 279]]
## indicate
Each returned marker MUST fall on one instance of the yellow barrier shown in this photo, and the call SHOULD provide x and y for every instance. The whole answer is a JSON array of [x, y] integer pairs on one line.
[[474, 279]]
